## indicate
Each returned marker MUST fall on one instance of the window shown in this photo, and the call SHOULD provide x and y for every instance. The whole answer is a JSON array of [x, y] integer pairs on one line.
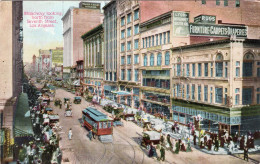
[[205, 93], [237, 69], [237, 90], [211, 70], [178, 69], [122, 47], [193, 92], [128, 31], [167, 58], [237, 3], [193, 69], [149, 41], [217, 2], [128, 45], [156, 39], [146, 42], [136, 43], [164, 38], [136, 29], [136, 75], [136, 58], [188, 92], [153, 40], [129, 59], [219, 69], [225, 2], [122, 60], [151, 60], [168, 36], [114, 76], [136, 14], [199, 93], [199, 69], [247, 69], [159, 59], [160, 39], [143, 43], [218, 95], [129, 74], [122, 34], [258, 63], [237, 99], [128, 18], [247, 96], [203, 2], [122, 21], [122, 74], [258, 72], [145, 60], [187, 70], [206, 69]]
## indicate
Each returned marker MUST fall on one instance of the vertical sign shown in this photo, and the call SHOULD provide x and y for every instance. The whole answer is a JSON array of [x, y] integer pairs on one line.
[[180, 23]]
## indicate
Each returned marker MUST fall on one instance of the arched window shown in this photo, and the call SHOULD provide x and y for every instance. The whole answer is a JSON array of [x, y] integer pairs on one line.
[[151, 60], [248, 65], [145, 60], [167, 58], [219, 65], [159, 59]]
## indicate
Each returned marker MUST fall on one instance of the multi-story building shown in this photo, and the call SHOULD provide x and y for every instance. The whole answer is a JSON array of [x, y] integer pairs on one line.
[[94, 59], [155, 52], [76, 22], [217, 80], [128, 48], [110, 50], [45, 56], [11, 55]]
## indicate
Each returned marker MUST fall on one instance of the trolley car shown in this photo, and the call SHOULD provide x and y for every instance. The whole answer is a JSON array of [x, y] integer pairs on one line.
[[99, 123]]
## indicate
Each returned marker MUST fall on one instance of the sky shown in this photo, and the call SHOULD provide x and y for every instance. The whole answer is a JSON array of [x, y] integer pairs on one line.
[[36, 38]]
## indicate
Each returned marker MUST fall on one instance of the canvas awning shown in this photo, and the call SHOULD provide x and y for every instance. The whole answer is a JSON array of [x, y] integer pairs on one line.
[[76, 82], [22, 125], [122, 93]]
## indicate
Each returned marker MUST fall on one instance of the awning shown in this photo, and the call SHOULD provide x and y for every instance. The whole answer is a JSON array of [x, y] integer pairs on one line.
[[22, 125], [122, 93], [76, 82], [107, 87]]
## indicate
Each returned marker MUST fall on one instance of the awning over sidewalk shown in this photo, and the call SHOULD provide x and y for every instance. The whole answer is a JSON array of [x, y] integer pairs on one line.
[[76, 82], [122, 93], [22, 124]]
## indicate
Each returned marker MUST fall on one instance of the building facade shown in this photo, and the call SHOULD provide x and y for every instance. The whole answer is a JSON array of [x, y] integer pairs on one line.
[[110, 50], [12, 75], [76, 22], [128, 48], [94, 60], [217, 80]]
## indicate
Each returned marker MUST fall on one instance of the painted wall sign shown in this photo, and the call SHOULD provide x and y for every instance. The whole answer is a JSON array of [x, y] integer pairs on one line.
[[207, 19], [57, 56], [88, 5], [180, 23], [217, 30]]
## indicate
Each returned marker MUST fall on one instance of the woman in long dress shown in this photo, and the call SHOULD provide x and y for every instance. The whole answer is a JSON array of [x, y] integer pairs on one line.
[[70, 134]]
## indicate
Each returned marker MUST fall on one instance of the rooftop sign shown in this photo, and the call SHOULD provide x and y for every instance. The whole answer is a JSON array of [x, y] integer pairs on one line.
[[207, 19], [217, 30], [89, 5], [180, 23]]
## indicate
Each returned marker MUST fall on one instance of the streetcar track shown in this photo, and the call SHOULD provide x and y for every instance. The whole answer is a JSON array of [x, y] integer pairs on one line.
[[102, 157]]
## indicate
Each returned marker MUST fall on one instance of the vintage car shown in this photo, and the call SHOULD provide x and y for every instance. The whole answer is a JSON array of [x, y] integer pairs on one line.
[[77, 100], [54, 119], [150, 137], [66, 99], [68, 113], [57, 102]]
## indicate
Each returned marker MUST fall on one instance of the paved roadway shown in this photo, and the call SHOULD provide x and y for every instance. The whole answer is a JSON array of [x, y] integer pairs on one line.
[[123, 150]]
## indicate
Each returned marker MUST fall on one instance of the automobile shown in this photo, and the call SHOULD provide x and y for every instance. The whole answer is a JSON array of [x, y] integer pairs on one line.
[[68, 113], [57, 102], [150, 137], [77, 100]]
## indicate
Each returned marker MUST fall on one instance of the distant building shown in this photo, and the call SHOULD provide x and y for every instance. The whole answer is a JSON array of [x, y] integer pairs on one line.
[[94, 59], [76, 22], [45, 56]]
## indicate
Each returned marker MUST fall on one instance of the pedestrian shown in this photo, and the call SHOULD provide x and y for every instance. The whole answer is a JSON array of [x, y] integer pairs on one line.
[[70, 134], [93, 134], [216, 144], [60, 103], [246, 153], [242, 143], [177, 147], [169, 143], [194, 139], [189, 146], [162, 151], [90, 135]]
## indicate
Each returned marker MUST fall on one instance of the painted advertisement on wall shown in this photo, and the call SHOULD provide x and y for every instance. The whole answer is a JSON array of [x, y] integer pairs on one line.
[[180, 23]]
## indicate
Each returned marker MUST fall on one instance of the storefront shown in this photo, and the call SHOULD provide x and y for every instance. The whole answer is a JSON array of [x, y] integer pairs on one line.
[[108, 92], [156, 108]]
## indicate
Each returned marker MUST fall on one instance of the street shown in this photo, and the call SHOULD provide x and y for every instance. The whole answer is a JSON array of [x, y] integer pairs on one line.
[[124, 149]]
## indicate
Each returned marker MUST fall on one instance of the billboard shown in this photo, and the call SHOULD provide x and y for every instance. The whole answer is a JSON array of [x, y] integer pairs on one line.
[[180, 23], [57, 56], [217, 30], [207, 19]]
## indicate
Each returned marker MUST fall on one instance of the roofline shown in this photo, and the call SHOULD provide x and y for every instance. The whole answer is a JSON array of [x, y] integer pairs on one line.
[[92, 31], [67, 12], [155, 18], [109, 3]]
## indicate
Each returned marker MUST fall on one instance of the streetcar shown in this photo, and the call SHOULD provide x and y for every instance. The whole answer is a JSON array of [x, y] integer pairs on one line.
[[99, 123]]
